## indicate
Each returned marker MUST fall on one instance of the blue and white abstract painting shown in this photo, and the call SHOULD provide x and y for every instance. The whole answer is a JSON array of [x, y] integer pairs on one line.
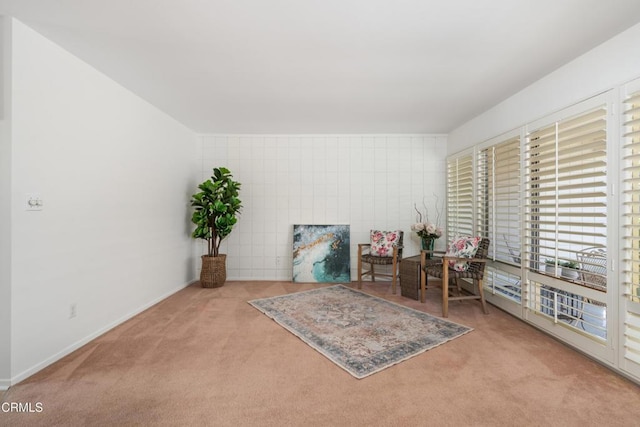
[[321, 254]]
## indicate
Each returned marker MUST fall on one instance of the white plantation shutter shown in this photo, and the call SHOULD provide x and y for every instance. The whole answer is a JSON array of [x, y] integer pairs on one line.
[[484, 172], [498, 199], [632, 338], [566, 188], [459, 196], [631, 197], [631, 231]]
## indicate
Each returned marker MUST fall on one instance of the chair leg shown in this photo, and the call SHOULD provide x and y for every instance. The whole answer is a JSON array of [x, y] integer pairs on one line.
[[373, 273], [423, 285], [481, 292], [394, 276], [359, 268], [393, 284], [445, 291]]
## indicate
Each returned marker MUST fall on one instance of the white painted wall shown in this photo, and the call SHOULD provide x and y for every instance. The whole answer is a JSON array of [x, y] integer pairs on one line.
[[366, 181], [115, 175], [5, 211], [612, 63]]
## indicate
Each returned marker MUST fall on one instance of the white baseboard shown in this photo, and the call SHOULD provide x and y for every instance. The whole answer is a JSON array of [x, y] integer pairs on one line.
[[73, 347], [4, 384]]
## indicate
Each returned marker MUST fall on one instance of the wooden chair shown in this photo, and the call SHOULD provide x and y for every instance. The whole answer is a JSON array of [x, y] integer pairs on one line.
[[446, 273], [364, 256]]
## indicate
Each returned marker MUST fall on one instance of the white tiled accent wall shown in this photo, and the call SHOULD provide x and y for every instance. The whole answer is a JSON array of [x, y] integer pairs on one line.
[[366, 181]]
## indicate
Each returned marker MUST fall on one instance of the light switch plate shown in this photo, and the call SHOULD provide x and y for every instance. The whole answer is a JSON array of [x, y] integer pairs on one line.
[[34, 202]]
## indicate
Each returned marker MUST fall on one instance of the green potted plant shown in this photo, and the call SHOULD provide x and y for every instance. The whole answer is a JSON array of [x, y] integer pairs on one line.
[[216, 208], [551, 266], [569, 269]]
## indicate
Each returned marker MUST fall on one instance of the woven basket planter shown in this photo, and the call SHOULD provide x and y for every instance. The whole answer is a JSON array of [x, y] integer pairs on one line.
[[214, 271]]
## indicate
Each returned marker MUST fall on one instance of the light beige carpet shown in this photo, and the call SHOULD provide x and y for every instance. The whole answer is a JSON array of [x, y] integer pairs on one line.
[[206, 357]]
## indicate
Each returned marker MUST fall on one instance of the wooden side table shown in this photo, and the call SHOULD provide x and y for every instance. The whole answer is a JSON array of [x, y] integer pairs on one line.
[[410, 277]]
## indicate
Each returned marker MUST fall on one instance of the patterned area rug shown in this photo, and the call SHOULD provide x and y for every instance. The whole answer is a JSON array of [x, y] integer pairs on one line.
[[360, 333]]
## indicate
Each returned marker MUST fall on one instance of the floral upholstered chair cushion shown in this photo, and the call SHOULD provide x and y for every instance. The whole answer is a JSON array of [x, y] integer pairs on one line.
[[463, 247], [382, 242]]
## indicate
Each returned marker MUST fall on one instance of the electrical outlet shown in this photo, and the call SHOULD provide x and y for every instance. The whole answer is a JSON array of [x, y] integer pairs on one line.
[[73, 310]]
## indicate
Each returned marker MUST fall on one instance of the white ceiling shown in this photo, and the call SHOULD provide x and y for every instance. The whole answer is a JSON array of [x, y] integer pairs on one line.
[[325, 66]]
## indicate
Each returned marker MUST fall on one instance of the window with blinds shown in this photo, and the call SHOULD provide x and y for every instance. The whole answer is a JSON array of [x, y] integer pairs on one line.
[[498, 199], [459, 196], [498, 214], [566, 197], [631, 197]]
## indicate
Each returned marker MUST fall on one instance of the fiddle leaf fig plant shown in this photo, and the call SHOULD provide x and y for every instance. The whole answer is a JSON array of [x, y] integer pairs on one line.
[[216, 208]]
